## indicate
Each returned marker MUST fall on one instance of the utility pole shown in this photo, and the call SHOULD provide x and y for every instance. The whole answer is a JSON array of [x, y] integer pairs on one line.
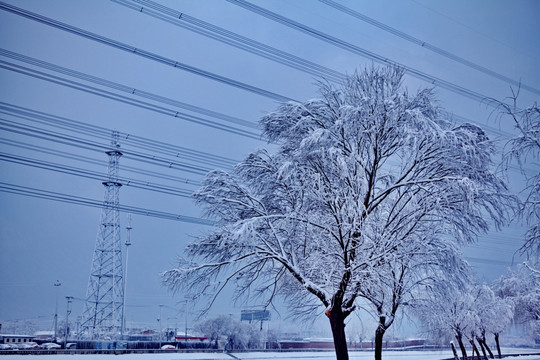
[[68, 311], [56, 285], [159, 320], [127, 243], [78, 327], [186, 299]]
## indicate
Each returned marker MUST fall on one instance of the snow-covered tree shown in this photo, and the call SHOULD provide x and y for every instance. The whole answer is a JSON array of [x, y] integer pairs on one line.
[[522, 148], [486, 308], [494, 314], [446, 311], [522, 288], [214, 329], [466, 313], [235, 334], [503, 311], [358, 177], [404, 281]]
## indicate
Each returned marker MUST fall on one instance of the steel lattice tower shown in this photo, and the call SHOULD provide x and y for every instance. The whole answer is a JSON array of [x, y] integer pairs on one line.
[[105, 293]]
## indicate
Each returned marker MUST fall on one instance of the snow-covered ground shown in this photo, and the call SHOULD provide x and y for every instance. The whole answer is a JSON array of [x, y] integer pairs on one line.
[[364, 355]]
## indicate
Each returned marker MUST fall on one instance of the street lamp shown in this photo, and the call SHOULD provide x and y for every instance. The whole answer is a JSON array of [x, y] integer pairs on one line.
[[187, 298], [56, 285]]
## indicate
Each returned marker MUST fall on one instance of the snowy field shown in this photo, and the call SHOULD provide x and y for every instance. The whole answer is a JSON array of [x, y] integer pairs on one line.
[[364, 355]]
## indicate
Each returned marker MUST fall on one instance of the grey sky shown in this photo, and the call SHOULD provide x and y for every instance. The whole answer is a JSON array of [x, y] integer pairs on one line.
[[42, 241]]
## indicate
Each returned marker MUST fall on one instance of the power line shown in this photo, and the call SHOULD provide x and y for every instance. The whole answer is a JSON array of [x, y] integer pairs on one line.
[[39, 133], [134, 89], [462, 119], [488, 261], [357, 50], [230, 38], [58, 153], [450, 115], [131, 90], [72, 199], [145, 105], [69, 170], [113, 96], [495, 39], [143, 53], [275, 17], [104, 133], [428, 46], [73, 171], [123, 99], [125, 88]]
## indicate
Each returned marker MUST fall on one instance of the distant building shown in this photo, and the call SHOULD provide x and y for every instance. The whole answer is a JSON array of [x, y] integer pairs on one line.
[[190, 338], [15, 339], [44, 335]]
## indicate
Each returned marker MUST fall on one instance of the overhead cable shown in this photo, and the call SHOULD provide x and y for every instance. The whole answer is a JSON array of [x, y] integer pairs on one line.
[[123, 99], [88, 160], [460, 90], [7, 125], [328, 38], [126, 139], [428, 46], [72, 199], [160, 109], [143, 53], [125, 88], [201, 27], [80, 172], [133, 91]]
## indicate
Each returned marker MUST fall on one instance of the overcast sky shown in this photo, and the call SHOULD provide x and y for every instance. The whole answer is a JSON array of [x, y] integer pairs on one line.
[[42, 241]]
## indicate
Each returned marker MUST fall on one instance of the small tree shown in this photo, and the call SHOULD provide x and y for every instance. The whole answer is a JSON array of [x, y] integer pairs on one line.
[[486, 310], [504, 311], [447, 311], [237, 335], [214, 328], [403, 282], [522, 288], [467, 312], [359, 175]]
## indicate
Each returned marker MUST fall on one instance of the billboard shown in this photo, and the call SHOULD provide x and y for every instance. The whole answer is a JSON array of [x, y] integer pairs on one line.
[[255, 315]]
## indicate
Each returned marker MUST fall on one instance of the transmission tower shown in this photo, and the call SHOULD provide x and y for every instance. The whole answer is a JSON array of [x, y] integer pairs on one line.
[[105, 293]]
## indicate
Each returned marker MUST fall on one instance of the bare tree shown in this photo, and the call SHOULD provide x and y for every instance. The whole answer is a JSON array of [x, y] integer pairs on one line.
[[359, 175]]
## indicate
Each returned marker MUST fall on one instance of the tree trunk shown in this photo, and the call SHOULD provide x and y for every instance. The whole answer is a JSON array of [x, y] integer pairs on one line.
[[482, 347], [487, 347], [379, 334], [456, 357], [498, 346], [461, 346], [337, 322], [474, 348]]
